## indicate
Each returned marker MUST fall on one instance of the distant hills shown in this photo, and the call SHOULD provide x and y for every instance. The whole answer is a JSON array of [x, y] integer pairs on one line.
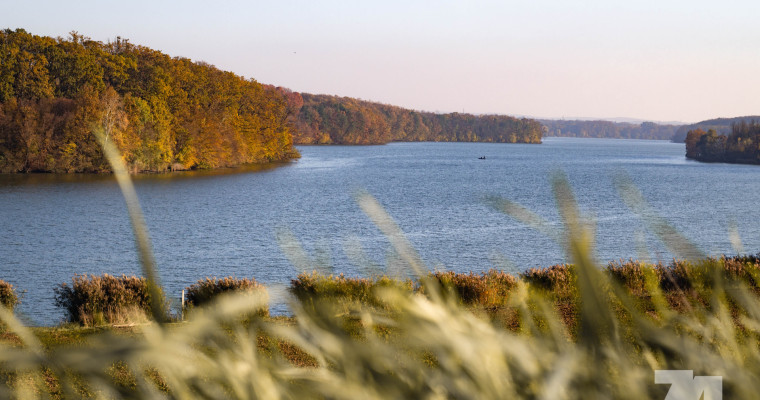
[[720, 125], [607, 129], [643, 130], [625, 120], [324, 119], [739, 146]]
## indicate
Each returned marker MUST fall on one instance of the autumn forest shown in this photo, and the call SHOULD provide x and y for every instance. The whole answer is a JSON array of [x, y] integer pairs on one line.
[[740, 146], [162, 112], [170, 113], [342, 120]]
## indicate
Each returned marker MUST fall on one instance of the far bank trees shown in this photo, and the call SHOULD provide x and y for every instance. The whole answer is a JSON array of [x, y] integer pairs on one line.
[[342, 120], [742, 145]]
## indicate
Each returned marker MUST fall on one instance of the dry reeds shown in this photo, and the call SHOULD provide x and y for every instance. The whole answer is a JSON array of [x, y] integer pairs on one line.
[[207, 290], [8, 295], [106, 299], [340, 289]]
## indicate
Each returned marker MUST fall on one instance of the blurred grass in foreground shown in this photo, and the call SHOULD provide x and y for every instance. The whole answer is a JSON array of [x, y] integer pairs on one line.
[[628, 320]]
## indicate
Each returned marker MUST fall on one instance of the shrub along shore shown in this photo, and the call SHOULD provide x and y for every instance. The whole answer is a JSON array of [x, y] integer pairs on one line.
[[600, 331], [90, 300]]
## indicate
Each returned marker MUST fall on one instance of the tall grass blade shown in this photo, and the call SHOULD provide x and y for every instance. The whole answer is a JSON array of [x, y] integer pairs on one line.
[[139, 228], [640, 241], [525, 216], [597, 324], [391, 230], [678, 244], [297, 255], [735, 238], [25, 334], [353, 249]]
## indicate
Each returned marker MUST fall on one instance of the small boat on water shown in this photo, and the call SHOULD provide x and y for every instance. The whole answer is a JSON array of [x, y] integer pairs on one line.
[[482, 158]]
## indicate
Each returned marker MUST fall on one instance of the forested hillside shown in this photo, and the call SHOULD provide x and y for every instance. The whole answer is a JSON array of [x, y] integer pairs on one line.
[[162, 112], [721, 126], [741, 146], [341, 120], [608, 129]]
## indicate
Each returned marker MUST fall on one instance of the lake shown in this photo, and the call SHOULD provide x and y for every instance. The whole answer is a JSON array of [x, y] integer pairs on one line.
[[224, 223]]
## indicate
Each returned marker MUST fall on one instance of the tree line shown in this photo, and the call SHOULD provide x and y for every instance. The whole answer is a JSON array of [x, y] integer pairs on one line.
[[167, 113], [162, 112], [608, 129], [324, 119], [722, 126], [742, 145]]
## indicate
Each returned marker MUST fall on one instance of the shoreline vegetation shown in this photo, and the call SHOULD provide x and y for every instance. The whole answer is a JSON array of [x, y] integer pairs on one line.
[[102, 300], [607, 129], [740, 146], [172, 114], [720, 125], [700, 315], [162, 113], [673, 132], [169, 113], [324, 119]]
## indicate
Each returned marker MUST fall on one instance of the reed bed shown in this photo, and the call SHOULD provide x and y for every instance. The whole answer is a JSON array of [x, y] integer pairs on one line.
[[311, 288], [106, 299], [699, 315], [207, 290], [8, 295], [91, 300], [431, 345]]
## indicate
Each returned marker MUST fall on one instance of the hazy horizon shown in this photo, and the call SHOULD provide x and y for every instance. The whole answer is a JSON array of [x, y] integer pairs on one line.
[[647, 60]]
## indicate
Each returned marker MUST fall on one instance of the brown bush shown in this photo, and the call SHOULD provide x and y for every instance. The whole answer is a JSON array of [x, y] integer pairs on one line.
[[8, 296], [205, 290], [106, 299], [558, 278], [309, 287], [487, 289]]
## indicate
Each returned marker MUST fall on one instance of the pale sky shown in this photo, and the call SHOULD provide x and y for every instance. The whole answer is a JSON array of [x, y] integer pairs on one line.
[[661, 60]]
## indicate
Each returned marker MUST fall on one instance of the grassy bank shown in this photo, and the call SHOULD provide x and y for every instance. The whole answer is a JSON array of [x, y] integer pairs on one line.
[[681, 285], [90, 300], [382, 337]]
